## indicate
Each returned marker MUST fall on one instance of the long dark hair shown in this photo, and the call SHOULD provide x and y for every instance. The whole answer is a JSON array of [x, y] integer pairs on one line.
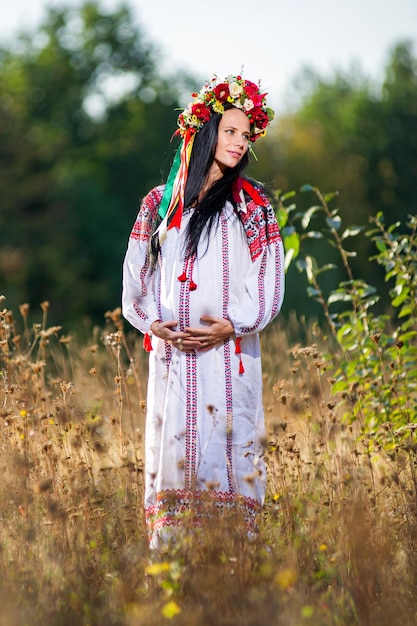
[[207, 210]]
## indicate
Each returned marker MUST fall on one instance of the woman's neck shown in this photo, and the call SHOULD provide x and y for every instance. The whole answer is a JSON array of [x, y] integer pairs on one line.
[[214, 174]]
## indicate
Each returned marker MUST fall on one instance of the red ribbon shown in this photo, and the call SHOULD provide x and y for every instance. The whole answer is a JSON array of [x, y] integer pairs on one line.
[[241, 183]]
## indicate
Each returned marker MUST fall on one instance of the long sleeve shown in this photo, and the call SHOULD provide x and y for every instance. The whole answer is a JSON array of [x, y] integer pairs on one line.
[[264, 280], [139, 304]]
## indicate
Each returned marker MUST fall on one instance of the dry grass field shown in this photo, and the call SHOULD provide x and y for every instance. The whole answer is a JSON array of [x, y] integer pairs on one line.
[[337, 540]]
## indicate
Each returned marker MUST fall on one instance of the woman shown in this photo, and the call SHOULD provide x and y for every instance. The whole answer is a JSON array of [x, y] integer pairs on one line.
[[203, 275]]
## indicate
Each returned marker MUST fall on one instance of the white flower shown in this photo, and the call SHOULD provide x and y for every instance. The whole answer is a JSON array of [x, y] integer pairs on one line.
[[248, 104], [259, 131], [235, 89]]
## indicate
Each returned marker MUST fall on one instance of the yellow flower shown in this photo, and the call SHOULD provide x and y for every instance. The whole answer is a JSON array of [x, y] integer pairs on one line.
[[158, 568], [286, 578], [218, 107], [170, 609]]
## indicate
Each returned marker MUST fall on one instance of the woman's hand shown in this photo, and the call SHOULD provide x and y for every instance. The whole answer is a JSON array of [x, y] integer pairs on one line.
[[213, 332], [164, 330]]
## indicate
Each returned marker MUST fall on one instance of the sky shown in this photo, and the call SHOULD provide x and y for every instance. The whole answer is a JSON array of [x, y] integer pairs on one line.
[[272, 40]]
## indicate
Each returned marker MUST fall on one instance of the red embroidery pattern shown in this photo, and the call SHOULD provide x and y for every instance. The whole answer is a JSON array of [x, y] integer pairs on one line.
[[254, 221], [260, 226], [277, 290], [227, 360], [139, 311], [190, 460], [168, 355], [261, 291], [176, 507], [261, 298], [143, 272], [142, 228]]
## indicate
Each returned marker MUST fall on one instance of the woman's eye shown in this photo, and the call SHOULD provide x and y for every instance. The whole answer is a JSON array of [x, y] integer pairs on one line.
[[230, 131]]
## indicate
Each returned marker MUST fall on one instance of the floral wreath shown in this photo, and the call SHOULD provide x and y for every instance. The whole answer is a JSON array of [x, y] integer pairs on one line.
[[214, 95]]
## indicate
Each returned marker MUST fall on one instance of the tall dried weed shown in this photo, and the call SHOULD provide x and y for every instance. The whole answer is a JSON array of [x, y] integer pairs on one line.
[[336, 543]]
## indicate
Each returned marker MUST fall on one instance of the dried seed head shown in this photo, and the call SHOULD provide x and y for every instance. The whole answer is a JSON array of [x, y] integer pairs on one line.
[[66, 339], [24, 309]]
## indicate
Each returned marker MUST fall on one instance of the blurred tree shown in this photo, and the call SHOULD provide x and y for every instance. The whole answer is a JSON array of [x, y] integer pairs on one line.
[[84, 122], [350, 136], [391, 155]]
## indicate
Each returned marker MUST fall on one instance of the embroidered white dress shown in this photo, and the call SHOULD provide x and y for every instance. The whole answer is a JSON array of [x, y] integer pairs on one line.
[[205, 421]]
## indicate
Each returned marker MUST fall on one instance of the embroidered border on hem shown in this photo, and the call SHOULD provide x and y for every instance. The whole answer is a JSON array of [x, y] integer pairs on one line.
[[175, 507]]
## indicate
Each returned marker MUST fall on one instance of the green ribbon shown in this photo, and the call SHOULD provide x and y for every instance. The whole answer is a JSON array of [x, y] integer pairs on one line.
[[169, 185]]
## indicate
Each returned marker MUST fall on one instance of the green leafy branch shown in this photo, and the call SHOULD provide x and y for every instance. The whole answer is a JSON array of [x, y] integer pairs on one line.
[[375, 354]]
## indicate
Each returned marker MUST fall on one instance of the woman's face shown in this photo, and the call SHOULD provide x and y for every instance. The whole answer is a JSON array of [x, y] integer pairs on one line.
[[233, 139]]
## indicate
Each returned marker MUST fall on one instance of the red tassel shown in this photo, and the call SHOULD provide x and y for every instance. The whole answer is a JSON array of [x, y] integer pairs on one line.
[[147, 343], [182, 277], [238, 350], [193, 285]]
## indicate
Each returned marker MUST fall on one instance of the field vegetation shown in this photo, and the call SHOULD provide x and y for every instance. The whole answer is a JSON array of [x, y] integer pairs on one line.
[[337, 538]]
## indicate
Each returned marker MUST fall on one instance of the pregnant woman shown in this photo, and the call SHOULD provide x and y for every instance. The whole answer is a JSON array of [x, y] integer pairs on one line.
[[203, 275]]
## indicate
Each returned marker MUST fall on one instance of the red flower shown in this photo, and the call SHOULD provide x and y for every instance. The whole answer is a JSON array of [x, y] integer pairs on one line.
[[251, 89], [253, 113], [201, 112], [257, 99], [259, 118], [221, 92], [262, 120]]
